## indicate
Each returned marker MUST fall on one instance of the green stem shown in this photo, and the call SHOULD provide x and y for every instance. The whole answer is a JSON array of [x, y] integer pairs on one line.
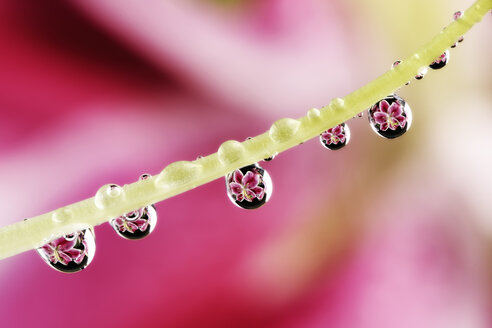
[[179, 177]]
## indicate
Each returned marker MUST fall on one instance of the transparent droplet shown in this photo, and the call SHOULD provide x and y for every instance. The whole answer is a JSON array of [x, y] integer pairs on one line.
[[249, 187], [136, 224], [421, 73], [144, 176], [268, 159], [441, 61], [336, 137], [390, 117], [70, 253], [457, 15]]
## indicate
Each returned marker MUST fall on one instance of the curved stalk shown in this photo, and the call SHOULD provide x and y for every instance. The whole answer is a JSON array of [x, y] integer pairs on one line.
[[178, 177]]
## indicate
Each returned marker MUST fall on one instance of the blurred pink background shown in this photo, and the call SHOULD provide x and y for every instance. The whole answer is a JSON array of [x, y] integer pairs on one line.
[[384, 233]]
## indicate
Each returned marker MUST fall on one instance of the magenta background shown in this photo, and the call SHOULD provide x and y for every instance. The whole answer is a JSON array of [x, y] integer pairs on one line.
[[380, 234]]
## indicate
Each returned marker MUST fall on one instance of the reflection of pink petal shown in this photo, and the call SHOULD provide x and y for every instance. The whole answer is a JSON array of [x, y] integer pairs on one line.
[[402, 120], [236, 188], [380, 117], [383, 106], [341, 138], [251, 179], [251, 195], [131, 226], [240, 197], [141, 224], [258, 191], [337, 129], [65, 258], [238, 176], [394, 109], [64, 244], [384, 126]]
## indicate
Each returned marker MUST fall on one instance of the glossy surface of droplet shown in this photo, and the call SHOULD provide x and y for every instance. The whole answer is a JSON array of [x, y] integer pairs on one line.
[[336, 137], [421, 73], [108, 195], [441, 61], [136, 224], [249, 187], [390, 117], [284, 129], [70, 253]]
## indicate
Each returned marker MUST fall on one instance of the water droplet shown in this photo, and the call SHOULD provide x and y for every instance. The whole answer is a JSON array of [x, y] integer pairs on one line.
[[441, 61], [144, 176], [359, 115], [284, 129], [314, 114], [420, 75], [390, 117], [336, 137], [337, 104], [136, 224], [457, 15], [178, 173], [249, 187], [268, 159], [230, 152], [108, 195], [62, 215], [70, 253]]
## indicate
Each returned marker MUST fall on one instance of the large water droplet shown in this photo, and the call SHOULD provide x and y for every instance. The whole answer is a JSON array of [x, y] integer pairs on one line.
[[249, 187], [390, 117], [70, 253], [336, 137], [441, 61], [136, 224]]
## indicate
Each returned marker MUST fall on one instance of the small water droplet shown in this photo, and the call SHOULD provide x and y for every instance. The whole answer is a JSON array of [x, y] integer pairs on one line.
[[268, 159], [337, 104], [359, 115], [335, 138], [441, 61], [108, 195], [144, 176], [390, 117], [249, 187], [457, 15], [314, 114], [230, 152], [62, 215], [284, 129], [178, 173], [136, 224], [422, 71], [70, 253]]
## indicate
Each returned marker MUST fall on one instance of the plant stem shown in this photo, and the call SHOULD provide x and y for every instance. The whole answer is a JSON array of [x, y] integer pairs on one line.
[[181, 176]]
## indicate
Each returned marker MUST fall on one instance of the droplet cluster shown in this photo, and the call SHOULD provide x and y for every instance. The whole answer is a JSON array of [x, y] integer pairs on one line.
[[248, 187]]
